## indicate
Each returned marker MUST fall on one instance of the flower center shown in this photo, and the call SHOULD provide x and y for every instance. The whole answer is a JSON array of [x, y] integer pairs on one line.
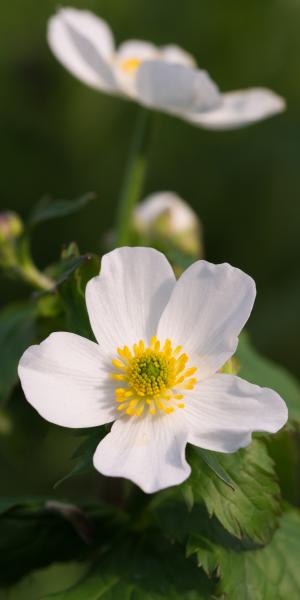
[[152, 378], [130, 65]]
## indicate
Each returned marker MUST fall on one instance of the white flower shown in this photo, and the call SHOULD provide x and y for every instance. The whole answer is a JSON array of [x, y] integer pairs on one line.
[[163, 78], [163, 217], [179, 215], [154, 368]]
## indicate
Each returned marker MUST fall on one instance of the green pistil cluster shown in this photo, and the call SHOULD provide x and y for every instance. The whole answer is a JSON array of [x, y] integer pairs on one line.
[[148, 374]]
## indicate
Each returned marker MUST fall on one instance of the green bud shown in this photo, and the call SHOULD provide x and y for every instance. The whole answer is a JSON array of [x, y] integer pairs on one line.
[[11, 226]]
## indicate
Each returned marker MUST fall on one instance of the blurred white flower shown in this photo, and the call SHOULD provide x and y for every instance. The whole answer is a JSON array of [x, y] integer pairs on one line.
[[163, 78], [154, 368], [167, 217]]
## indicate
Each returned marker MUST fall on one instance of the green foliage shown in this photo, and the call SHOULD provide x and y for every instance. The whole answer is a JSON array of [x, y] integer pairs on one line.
[[250, 509], [260, 370], [17, 332], [143, 569], [48, 209], [247, 572], [72, 292], [37, 532], [84, 454]]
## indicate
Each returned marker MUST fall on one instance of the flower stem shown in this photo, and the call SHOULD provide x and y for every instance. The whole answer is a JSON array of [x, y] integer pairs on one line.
[[134, 177], [28, 271]]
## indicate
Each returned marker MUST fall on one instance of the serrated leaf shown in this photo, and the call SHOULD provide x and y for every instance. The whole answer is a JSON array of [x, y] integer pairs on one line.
[[252, 508], [17, 331], [84, 454], [144, 570], [262, 371], [48, 209], [249, 572], [213, 463]]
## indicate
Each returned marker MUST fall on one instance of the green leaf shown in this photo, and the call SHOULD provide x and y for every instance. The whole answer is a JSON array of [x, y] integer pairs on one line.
[[212, 462], [142, 569], [45, 581], [84, 453], [48, 209], [252, 508], [72, 293], [37, 532], [17, 331], [247, 572], [262, 371]]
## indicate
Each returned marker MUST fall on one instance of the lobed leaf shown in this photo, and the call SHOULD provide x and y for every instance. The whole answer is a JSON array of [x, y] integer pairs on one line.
[[247, 572], [252, 508]]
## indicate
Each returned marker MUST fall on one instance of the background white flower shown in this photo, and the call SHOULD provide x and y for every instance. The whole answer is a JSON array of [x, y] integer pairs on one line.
[[163, 78], [180, 216], [165, 217], [154, 368]]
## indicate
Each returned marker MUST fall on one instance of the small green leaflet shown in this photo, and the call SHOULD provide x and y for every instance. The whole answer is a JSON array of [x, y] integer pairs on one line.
[[84, 454], [48, 209]]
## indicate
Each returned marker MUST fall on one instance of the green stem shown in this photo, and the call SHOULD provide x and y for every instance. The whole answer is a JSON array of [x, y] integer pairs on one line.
[[36, 278], [26, 268], [134, 177]]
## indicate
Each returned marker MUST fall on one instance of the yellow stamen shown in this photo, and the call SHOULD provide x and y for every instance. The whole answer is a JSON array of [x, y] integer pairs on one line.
[[130, 65], [153, 377]]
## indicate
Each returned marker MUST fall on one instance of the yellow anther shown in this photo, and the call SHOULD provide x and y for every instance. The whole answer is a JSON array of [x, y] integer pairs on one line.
[[118, 364], [152, 377], [118, 377], [130, 65], [140, 410], [189, 372]]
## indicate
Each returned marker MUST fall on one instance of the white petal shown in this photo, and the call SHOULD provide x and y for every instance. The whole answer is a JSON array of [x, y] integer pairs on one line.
[[225, 410], [150, 451], [66, 380], [136, 49], [83, 43], [174, 87], [182, 217], [126, 301], [127, 60], [177, 55], [208, 308], [238, 109]]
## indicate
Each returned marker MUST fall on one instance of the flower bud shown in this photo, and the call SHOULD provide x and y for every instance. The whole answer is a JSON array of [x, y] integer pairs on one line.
[[166, 217], [11, 226]]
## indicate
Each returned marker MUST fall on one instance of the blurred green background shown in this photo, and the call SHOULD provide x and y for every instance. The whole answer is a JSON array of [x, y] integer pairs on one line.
[[62, 138]]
